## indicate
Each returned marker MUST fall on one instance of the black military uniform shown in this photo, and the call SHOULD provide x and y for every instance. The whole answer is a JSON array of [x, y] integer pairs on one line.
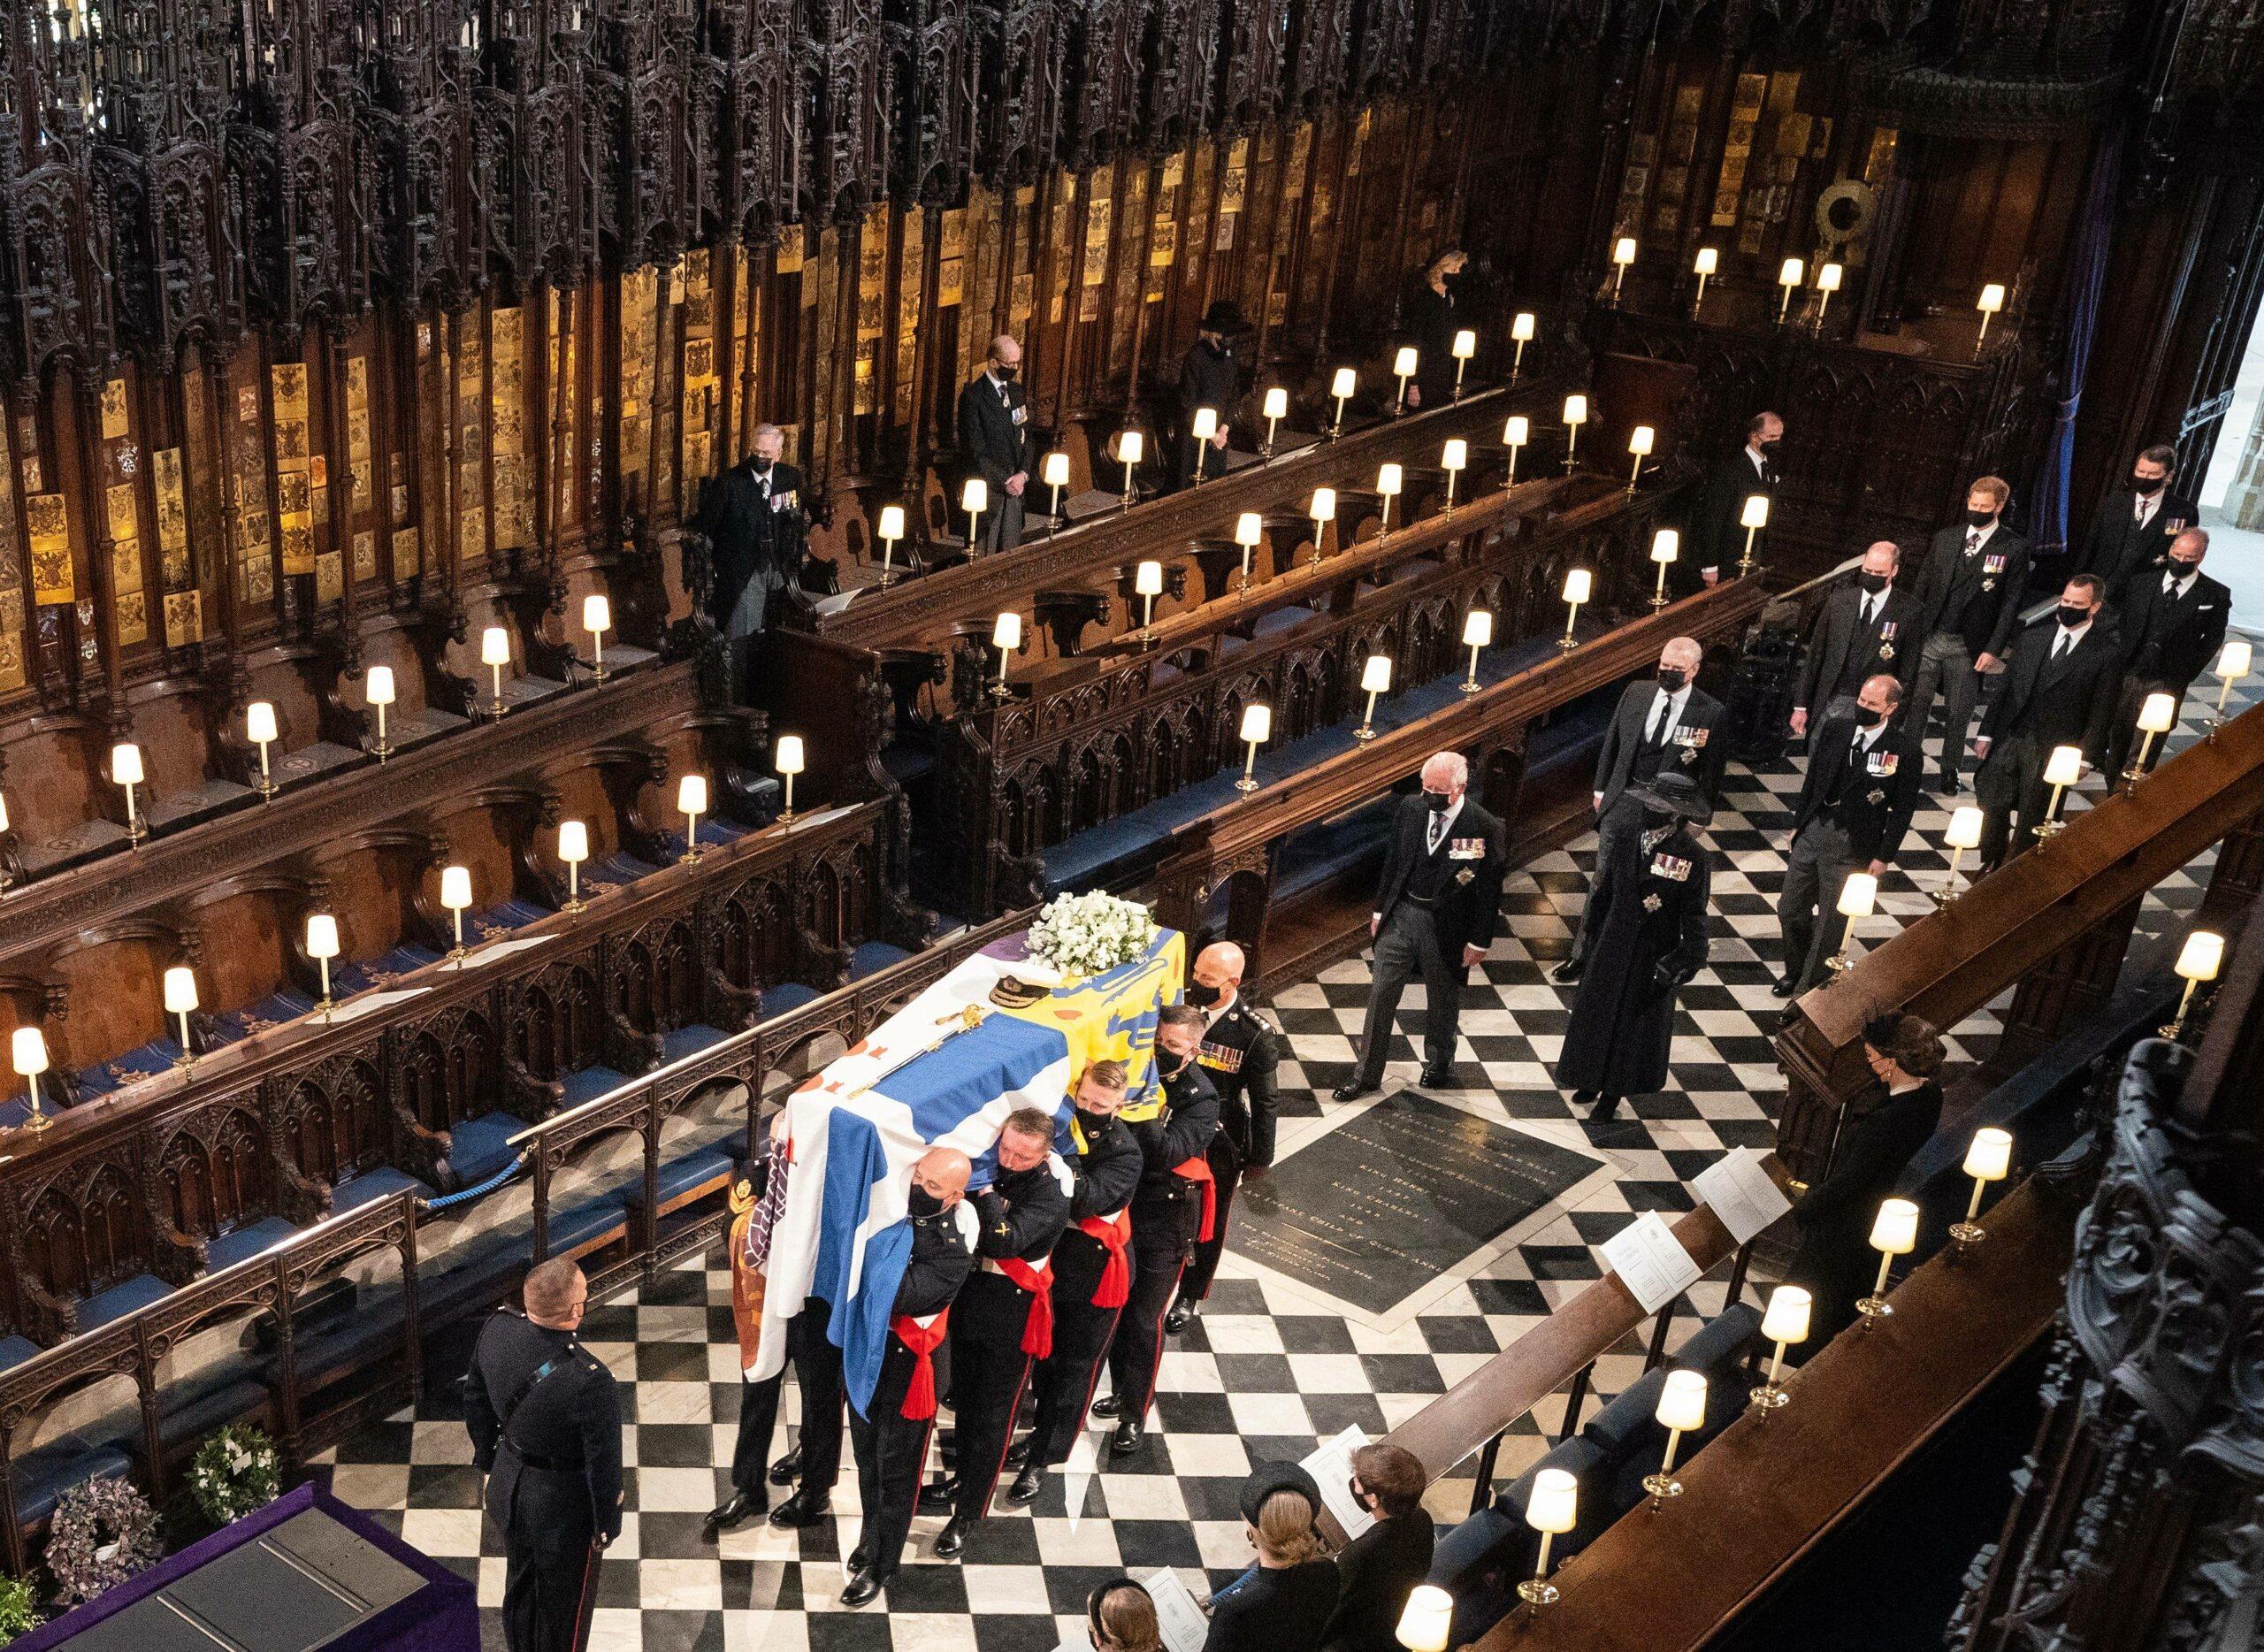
[[1210, 376], [1855, 805], [1241, 1052], [1858, 634], [1650, 937], [1023, 1214], [756, 518], [1166, 1220], [2172, 628], [1104, 1163], [545, 1423]]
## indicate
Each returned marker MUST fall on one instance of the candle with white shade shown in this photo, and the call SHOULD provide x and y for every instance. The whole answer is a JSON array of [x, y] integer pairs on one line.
[[2232, 665], [1323, 511], [1453, 458], [1520, 335], [1375, 678], [322, 946], [1341, 386], [1789, 277], [1963, 833], [2157, 716], [260, 729], [495, 654], [1053, 470], [1576, 414], [1426, 1622], [455, 895], [597, 619], [789, 760], [1579, 582], [1131, 447], [1006, 636], [1250, 528], [1148, 582], [1551, 1508], [1275, 409], [1827, 282], [27, 1052], [1466, 347], [1477, 634], [2061, 770], [4, 827], [1516, 432], [573, 849], [1858, 898], [1681, 1410], [1390, 480], [691, 803], [1639, 442], [1666, 545], [1751, 518], [126, 770], [974, 499], [1991, 301], [1894, 1232], [1623, 255], [1786, 1322], [1202, 426], [1709, 261], [1257, 729], [1403, 368], [181, 999], [890, 532], [2199, 960], [1988, 1157]]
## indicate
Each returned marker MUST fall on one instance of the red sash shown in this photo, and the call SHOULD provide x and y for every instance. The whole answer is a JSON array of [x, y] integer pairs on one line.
[[1037, 1330], [923, 1341], [1116, 1277], [1197, 1169]]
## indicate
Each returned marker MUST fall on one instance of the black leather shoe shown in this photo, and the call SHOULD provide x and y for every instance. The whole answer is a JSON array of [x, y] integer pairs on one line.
[[740, 1509], [1104, 1406], [1027, 1485], [938, 1496], [952, 1538], [1568, 971], [1018, 1453], [1605, 1106], [860, 1558], [1126, 1440], [802, 1509], [787, 1469], [1182, 1314], [1351, 1091], [1784, 986], [1440, 1078], [864, 1589], [1583, 1098]]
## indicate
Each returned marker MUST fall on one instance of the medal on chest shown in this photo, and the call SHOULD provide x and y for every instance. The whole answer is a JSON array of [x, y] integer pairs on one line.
[[1220, 1058], [1672, 868], [1651, 903], [1886, 638]]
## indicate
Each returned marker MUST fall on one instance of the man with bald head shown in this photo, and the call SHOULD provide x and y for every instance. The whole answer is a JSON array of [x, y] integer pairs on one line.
[[757, 525], [1866, 626], [1436, 914], [1241, 1050], [2173, 624], [995, 439]]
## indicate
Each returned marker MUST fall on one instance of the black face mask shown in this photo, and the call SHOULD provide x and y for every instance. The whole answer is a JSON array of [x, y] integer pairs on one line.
[[1174, 1070], [2179, 567], [1769, 447], [1872, 583], [1866, 718], [761, 466], [1673, 679], [2071, 617], [1005, 371], [1438, 802], [1200, 996], [1092, 1123], [2148, 486], [924, 1204], [1979, 518]]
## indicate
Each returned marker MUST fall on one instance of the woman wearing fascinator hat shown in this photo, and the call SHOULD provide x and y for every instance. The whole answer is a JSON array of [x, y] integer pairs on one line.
[[1646, 937], [1210, 376]]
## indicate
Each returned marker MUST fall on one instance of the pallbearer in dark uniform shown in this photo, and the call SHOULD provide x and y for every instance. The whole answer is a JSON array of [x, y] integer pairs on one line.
[[755, 517], [891, 1437], [1210, 376], [2173, 625], [1650, 937], [1003, 1318], [1092, 1271], [1437, 913], [1241, 1050], [1870, 626], [545, 1421], [1855, 805], [1175, 1207], [755, 1202], [1969, 595], [1666, 724], [994, 438], [2136, 524]]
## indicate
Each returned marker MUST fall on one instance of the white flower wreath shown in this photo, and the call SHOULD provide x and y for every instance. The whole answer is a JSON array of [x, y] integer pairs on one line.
[[1087, 934]]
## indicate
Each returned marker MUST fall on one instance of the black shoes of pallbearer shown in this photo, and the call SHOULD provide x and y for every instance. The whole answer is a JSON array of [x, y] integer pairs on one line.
[[1785, 985], [1104, 1406], [787, 1468], [1182, 1314], [736, 1511], [802, 1509], [1352, 1089], [1027, 1484], [1127, 1438]]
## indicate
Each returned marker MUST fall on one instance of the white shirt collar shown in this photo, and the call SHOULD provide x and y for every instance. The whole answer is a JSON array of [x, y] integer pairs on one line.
[[1983, 534], [1757, 459], [2073, 634], [1445, 825], [1869, 737], [1232, 996], [2182, 582]]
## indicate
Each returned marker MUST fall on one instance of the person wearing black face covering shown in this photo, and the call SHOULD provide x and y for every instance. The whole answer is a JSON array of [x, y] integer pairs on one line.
[[996, 443], [1650, 938], [1870, 625], [1241, 1050], [2136, 524], [1436, 914], [2059, 690], [1432, 321], [755, 520], [1717, 536], [1970, 591], [2173, 624], [1666, 724], [1856, 800], [1210, 376]]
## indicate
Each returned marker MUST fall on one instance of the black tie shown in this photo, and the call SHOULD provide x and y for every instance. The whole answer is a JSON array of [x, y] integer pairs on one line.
[[2066, 641]]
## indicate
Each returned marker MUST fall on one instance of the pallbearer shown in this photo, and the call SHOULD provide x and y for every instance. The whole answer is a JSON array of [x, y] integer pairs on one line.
[[1241, 1050]]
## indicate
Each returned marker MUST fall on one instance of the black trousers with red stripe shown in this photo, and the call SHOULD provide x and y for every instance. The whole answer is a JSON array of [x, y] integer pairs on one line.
[[989, 1369], [1162, 1231], [1082, 1333], [551, 1557], [1203, 1267], [889, 1448]]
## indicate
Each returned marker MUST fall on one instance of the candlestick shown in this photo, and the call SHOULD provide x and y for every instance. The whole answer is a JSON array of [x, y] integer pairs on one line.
[[260, 730], [28, 1049], [2061, 770], [126, 770], [691, 803], [1551, 1508], [1681, 1408], [1785, 1321], [1201, 428], [455, 895], [1623, 254], [1249, 529], [2232, 665], [1520, 335], [180, 998], [1006, 636], [890, 530], [2157, 716], [1375, 678], [495, 654], [1466, 345], [1709, 261], [1991, 301], [1341, 388], [322, 946], [1056, 476], [573, 849], [1390, 480], [1576, 414], [974, 499], [1666, 545], [1827, 282], [1477, 634], [1753, 519], [1639, 441], [1894, 1232], [1577, 584], [1257, 729], [597, 619], [788, 759], [1515, 434], [1403, 367], [1964, 832], [1148, 581], [1277, 407], [1789, 278], [1323, 511], [1987, 1158], [1129, 446], [1453, 458], [377, 688], [1858, 898], [2198, 961]]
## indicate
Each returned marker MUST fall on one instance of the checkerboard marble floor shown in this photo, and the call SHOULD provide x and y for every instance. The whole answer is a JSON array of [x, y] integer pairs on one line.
[[1266, 1371]]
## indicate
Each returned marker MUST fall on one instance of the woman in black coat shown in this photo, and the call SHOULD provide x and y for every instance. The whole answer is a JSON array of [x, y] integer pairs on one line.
[[1880, 1134], [1284, 1603], [1431, 317]]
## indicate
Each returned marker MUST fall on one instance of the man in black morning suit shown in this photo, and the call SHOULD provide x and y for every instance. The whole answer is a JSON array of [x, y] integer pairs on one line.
[[1717, 536], [755, 517], [1667, 723], [1969, 589], [994, 435], [1856, 800], [2172, 626], [1435, 913], [2135, 524], [1869, 626], [2059, 691]]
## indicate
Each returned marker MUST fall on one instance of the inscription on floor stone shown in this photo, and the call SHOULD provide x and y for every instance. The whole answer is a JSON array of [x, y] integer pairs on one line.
[[1377, 1209]]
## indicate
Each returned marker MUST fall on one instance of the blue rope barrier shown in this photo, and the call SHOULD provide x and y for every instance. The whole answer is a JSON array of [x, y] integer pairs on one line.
[[443, 1201]]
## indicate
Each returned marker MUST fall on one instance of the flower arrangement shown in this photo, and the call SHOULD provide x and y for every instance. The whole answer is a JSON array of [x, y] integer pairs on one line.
[[19, 1608], [1086, 934], [234, 1472], [103, 1532]]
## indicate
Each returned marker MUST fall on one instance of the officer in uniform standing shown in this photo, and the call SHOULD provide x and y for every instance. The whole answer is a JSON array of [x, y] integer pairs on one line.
[[1174, 1207], [546, 1430], [1092, 1272], [1241, 1052], [1003, 1319]]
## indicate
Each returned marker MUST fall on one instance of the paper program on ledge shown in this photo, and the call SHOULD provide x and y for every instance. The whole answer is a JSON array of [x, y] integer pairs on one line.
[[1650, 1262], [1738, 1189]]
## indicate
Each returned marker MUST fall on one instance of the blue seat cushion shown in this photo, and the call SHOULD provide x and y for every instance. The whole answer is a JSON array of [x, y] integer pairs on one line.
[[157, 1056], [1579, 1457], [16, 1349], [494, 922], [615, 869], [680, 1042], [872, 957], [381, 971], [41, 1476], [714, 833], [272, 1010], [1311, 857], [588, 1083], [787, 995], [1480, 1562], [378, 1183], [120, 1300], [1630, 1419], [573, 1226], [687, 1174], [479, 1148], [196, 1412], [249, 1240]]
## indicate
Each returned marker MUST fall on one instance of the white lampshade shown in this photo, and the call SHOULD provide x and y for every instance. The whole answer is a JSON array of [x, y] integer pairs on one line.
[[28, 1049], [2201, 957], [1858, 896], [1992, 299], [2159, 714], [1555, 1504], [377, 688], [1622, 251], [1894, 1230], [1466, 344], [456, 887], [1455, 455], [573, 840], [1577, 583], [1989, 1156], [259, 722], [1257, 724], [1786, 1321], [1129, 446], [1375, 676], [322, 936], [1709, 260], [1666, 545], [1324, 504], [1055, 471], [1205, 425], [2064, 767], [1277, 402], [1477, 629], [1403, 366], [893, 520], [1148, 579], [1518, 431], [1344, 384], [1964, 830], [1390, 480], [975, 496], [597, 613], [1793, 273], [691, 795], [1827, 279], [1006, 631], [181, 989], [1576, 409], [1521, 327], [788, 758], [495, 647], [2234, 662], [1426, 1622], [126, 764], [1639, 440], [4, 814], [1756, 514], [1682, 1401], [1250, 528]]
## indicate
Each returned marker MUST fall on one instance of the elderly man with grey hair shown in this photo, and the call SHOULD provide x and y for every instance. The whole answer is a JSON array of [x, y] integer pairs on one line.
[[996, 443], [757, 521], [1662, 722], [1436, 914]]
